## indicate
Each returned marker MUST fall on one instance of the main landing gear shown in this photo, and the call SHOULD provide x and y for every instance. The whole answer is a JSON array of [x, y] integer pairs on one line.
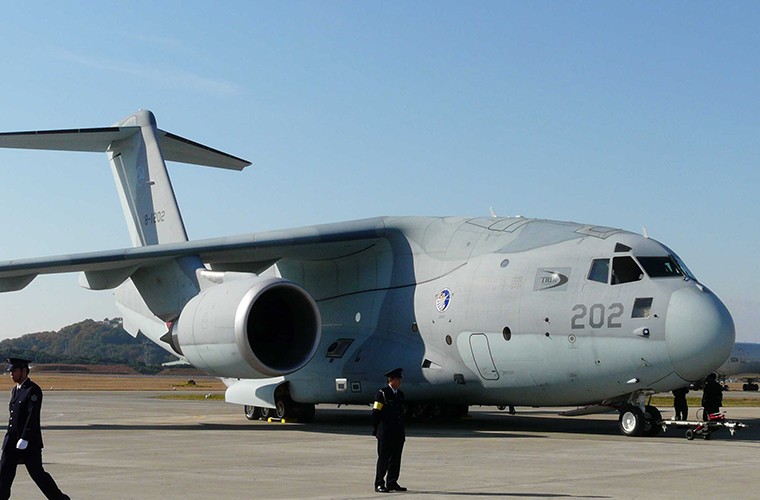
[[284, 411], [635, 422], [285, 408]]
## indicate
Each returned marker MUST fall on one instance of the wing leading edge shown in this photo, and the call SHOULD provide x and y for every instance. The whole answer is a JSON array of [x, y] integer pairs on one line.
[[251, 253]]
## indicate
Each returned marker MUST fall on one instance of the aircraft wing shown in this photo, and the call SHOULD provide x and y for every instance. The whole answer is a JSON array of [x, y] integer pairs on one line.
[[244, 253]]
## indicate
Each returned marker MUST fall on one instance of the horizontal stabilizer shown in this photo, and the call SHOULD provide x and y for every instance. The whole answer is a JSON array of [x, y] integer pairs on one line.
[[176, 148], [98, 140], [94, 140]]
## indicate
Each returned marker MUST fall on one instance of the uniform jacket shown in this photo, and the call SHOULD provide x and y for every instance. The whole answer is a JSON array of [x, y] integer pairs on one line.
[[387, 414], [681, 393], [712, 394], [24, 422]]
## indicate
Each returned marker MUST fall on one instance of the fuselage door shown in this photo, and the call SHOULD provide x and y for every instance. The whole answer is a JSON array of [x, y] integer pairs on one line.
[[482, 355]]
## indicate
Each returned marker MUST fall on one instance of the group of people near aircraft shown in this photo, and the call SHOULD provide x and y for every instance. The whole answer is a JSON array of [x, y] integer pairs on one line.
[[712, 399]]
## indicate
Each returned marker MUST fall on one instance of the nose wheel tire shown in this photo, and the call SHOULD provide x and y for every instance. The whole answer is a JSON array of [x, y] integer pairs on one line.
[[652, 418], [631, 421]]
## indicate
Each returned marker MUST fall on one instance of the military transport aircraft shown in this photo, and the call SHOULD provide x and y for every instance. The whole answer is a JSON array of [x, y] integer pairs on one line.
[[743, 363], [478, 311]]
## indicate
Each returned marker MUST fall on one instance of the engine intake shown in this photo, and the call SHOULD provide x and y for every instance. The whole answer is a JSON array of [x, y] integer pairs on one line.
[[249, 328]]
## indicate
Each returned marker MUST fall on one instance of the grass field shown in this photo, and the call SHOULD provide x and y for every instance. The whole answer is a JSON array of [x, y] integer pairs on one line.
[[738, 401], [101, 382]]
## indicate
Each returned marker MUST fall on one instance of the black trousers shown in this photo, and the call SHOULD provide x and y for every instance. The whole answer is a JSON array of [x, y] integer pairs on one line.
[[32, 458], [388, 461], [682, 410]]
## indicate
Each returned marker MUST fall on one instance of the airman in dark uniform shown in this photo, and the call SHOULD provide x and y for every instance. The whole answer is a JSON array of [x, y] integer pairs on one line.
[[712, 396], [680, 405], [23, 439], [389, 430]]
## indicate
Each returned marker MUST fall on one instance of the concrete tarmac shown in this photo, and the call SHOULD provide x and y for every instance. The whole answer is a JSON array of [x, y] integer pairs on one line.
[[132, 445]]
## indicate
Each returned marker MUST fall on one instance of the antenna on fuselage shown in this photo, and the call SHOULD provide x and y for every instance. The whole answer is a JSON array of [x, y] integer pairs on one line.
[[493, 214], [644, 232]]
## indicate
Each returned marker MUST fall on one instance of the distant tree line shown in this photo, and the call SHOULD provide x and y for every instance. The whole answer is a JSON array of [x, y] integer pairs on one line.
[[88, 342]]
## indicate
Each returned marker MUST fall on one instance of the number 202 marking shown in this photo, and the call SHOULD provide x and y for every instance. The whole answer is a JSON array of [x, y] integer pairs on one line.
[[595, 316]]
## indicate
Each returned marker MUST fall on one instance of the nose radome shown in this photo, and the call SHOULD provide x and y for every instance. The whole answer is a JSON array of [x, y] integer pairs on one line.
[[699, 332]]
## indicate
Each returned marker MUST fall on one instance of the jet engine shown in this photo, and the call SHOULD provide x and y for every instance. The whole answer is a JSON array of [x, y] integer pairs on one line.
[[250, 327]]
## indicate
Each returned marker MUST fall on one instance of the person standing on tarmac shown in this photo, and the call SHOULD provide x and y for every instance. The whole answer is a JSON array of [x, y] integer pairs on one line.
[[23, 439], [388, 423], [679, 403], [712, 396]]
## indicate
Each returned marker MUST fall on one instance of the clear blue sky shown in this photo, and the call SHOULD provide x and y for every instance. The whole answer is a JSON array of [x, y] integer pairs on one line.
[[625, 114]]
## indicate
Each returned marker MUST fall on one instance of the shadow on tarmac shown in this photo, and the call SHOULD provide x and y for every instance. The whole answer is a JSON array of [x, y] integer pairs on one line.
[[511, 494], [481, 424]]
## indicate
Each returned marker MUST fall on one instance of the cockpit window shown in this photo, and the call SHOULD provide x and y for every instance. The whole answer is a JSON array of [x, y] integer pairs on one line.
[[600, 270], [683, 267], [625, 270], [661, 267]]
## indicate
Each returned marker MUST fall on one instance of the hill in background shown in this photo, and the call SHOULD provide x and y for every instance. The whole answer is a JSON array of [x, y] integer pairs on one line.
[[88, 342]]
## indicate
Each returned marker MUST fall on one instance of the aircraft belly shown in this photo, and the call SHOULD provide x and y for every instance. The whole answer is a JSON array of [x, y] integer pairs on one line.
[[531, 369]]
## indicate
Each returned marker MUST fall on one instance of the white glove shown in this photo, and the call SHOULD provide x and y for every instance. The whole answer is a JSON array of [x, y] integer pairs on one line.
[[22, 444]]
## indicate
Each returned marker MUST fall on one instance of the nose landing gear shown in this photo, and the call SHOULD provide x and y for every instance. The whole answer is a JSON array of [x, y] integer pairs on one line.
[[637, 422]]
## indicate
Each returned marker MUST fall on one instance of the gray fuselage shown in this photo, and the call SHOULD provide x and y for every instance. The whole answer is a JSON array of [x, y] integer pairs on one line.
[[507, 311]]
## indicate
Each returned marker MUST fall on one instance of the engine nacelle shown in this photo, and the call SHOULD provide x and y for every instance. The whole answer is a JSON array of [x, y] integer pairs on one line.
[[249, 328]]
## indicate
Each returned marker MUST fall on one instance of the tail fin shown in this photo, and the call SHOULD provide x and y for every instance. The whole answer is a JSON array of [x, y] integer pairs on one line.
[[146, 194], [136, 149]]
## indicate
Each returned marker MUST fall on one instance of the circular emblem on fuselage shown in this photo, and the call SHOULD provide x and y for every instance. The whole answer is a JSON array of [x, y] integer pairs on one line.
[[443, 299]]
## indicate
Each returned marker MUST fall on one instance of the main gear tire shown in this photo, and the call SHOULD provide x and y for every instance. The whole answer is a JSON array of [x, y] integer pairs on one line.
[[252, 412]]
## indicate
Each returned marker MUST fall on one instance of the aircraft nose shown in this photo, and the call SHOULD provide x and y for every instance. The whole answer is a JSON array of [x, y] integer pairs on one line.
[[699, 332]]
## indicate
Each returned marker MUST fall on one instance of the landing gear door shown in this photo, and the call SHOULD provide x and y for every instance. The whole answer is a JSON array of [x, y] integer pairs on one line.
[[482, 355]]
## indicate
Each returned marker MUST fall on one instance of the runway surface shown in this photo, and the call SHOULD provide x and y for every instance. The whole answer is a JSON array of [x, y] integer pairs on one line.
[[131, 445]]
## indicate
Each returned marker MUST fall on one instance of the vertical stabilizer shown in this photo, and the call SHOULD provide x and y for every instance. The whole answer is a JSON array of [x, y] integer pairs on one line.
[[136, 150], [142, 181]]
